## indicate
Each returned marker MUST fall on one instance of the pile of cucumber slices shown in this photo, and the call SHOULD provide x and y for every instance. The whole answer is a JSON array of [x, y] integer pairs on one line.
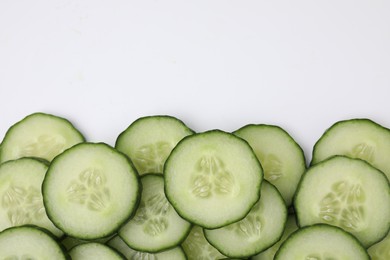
[[166, 192]]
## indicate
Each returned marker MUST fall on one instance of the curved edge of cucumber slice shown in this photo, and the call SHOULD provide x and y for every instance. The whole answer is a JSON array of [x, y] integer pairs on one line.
[[315, 236], [101, 251], [20, 123], [38, 233], [329, 130], [282, 172], [150, 157]]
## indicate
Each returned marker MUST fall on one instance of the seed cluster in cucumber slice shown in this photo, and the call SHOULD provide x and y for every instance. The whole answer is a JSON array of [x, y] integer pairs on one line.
[[165, 192], [20, 194]]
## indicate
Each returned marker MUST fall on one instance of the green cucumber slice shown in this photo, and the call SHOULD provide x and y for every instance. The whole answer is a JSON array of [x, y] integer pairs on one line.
[[29, 242], [90, 190], [93, 251], [20, 195], [197, 247], [321, 241], [149, 140], [155, 226], [356, 138], [348, 193], [269, 254], [380, 250], [282, 158], [39, 135], [259, 230], [213, 178], [175, 253]]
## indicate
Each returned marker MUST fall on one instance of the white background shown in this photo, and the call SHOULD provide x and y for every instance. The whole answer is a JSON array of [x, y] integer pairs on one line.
[[302, 65]]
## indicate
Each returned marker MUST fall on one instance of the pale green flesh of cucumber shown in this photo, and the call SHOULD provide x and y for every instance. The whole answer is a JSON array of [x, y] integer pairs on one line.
[[92, 251], [28, 242], [348, 193], [269, 254], [321, 242], [281, 157], [260, 229], [175, 253], [155, 226], [20, 195], [197, 247], [39, 135], [149, 140], [357, 138], [90, 190], [208, 171]]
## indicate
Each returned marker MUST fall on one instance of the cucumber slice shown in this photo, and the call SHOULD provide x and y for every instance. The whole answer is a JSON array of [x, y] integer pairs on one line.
[[260, 229], [149, 140], [321, 241], [197, 247], [356, 138], [175, 253], [269, 254], [348, 193], [21, 197], [380, 250], [156, 226], [282, 158], [29, 242], [94, 251], [90, 190], [213, 178], [70, 242], [39, 135]]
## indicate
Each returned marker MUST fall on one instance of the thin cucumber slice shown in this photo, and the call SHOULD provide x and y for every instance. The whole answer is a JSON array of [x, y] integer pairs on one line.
[[90, 190], [348, 193], [269, 254], [20, 195], [39, 135], [197, 247], [213, 178], [70, 242], [175, 253], [282, 158], [259, 230], [321, 241], [380, 250], [356, 138], [149, 140], [94, 251], [29, 242], [156, 226]]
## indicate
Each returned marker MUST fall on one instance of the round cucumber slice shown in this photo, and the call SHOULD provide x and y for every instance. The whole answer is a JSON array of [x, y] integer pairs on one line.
[[321, 241], [348, 193], [282, 159], [196, 246], [213, 178], [356, 138], [260, 229], [155, 226], [149, 140], [29, 242], [39, 135], [90, 190], [175, 253], [93, 251], [21, 197]]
